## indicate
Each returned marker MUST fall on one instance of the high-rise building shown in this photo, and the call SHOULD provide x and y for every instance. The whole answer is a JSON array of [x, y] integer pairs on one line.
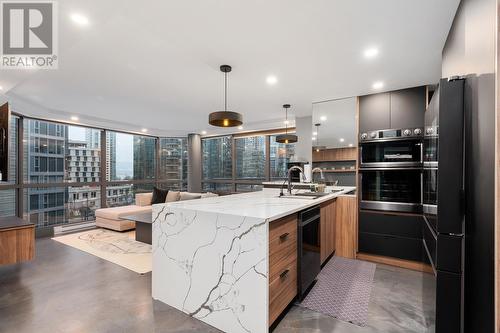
[[8, 197], [250, 157], [173, 162], [83, 165], [110, 155], [144, 157], [45, 154], [217, 159]]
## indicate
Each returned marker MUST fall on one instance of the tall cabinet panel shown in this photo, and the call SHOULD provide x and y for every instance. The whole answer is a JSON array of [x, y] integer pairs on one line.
[[408, 107], [374, 112]]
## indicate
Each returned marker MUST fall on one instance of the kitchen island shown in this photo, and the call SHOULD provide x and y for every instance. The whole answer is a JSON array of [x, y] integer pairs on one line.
[[211, 257]]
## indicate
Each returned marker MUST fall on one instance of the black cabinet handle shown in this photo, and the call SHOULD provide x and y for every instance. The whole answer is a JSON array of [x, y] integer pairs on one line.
[[284, 236], [284, 273]]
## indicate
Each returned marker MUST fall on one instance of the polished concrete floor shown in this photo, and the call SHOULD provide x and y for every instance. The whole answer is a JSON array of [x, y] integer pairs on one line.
[[66, 290]]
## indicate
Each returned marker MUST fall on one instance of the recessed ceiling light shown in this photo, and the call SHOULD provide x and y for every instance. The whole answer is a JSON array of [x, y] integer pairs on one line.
[[203, 132], [378, 85], [341, 140], [286, 122], [240, 127], [271, 80], [313, 138], [1, 88], [144, 130], [322, 118], [350, 145], [315, 133], [75, 118], [79, 19], [371, 52]]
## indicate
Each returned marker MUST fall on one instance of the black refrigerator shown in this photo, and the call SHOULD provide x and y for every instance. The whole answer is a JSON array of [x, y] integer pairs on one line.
[[443, 206]]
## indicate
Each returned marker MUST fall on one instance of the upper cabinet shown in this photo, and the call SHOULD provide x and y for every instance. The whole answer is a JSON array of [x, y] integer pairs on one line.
[[374, 112], [392, 110]]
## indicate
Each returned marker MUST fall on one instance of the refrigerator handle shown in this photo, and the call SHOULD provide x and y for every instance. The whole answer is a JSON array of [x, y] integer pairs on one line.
[[422, 188]]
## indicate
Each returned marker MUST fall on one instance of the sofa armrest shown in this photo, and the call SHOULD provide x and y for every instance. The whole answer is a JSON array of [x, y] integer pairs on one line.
[[143, 199]]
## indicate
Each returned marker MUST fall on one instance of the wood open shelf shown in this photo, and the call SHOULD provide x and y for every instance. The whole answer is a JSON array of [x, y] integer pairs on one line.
[[335, 171], [335, 155]]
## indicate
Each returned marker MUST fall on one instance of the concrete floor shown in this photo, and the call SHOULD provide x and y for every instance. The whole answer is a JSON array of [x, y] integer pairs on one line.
[[66, 290]]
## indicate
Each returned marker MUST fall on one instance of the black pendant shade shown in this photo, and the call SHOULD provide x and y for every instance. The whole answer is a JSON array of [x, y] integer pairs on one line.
[[225, 118], [286, 138]]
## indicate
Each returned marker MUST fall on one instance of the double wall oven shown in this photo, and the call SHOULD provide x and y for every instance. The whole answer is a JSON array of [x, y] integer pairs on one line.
[[391, 175]]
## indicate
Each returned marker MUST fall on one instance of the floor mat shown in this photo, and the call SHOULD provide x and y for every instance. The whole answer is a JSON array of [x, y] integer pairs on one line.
[[343, 290]]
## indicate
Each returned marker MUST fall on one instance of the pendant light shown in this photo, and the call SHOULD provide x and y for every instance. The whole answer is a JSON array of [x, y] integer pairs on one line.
[[286, 138], [318, 147], [225, 118]]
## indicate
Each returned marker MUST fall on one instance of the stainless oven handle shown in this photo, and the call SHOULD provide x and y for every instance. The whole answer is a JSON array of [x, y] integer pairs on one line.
[[360, 155], [390, 169], [421, 152]]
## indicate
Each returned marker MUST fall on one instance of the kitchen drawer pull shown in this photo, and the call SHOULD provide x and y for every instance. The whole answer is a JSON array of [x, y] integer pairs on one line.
[[284, 273], [284, 236]]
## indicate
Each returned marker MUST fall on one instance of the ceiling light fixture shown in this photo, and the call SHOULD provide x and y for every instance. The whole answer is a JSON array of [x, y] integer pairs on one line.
[[1, 88], [74, 118], [378, 85], [313, 138], [144, 130], [225, 118], [79, 19], [203, 132], [350, 145], [371, 53], [315, 133], [341, 140], [286, 138], [317, 148], [322, 118], [271, 80], [240, 127]]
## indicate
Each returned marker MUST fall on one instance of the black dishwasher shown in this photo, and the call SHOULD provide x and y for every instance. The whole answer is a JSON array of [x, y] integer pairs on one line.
[[309, 261]]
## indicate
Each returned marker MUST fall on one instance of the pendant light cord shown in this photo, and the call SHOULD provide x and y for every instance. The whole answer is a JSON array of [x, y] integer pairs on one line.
[[286, 121], [225, 91]]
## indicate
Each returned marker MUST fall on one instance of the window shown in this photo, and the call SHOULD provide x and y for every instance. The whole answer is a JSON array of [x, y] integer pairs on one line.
[[173, 161], [124, 194], [217, 160], [130, 157], [248, 188], [218, 187], [280, 155], [7, 203], [250, 157]]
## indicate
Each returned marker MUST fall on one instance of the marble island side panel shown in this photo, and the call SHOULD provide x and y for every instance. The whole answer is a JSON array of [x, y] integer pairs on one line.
[[212, 266]]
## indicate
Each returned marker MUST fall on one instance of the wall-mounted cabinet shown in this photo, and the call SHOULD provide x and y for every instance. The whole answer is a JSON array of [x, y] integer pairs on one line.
[[396, 109], [335, 155]]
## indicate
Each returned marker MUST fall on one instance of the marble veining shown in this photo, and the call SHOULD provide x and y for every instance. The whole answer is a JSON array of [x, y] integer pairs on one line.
[[212, 266]]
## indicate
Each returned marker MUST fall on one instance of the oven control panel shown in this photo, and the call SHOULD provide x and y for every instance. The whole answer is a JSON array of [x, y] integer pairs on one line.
[[392, 134]]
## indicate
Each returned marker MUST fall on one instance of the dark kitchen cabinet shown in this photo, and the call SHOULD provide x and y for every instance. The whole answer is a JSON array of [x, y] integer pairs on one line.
[[408, 108], [374, 112], [392, 110]]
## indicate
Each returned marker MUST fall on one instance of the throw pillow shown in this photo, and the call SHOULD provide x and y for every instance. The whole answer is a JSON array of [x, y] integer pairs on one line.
[[173, 196], [189, 196], [159, 195]]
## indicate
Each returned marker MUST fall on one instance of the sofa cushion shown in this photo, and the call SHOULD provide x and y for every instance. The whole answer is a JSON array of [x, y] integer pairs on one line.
[[143, 199], [189, 196], [159, 196], [173, 196], [115, 213]]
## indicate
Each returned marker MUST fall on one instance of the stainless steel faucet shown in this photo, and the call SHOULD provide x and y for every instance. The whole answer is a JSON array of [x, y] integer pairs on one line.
[[320, 171], [289, 179]]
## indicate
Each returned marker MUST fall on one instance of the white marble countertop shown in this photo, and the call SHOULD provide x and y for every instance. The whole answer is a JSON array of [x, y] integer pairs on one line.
[[265, 204]]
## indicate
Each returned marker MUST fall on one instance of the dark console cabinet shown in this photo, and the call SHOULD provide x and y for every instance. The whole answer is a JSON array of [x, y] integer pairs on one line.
[[397, 109]]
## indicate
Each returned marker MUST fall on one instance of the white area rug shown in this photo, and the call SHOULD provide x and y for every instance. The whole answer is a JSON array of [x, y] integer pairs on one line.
[[120, 248]]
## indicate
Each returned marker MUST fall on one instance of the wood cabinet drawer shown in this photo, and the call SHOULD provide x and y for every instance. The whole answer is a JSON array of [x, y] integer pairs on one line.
[[282, 244], [282, 289], [282, 265]]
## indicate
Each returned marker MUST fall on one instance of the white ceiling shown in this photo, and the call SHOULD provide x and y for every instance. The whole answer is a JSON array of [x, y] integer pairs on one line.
[[155, 64]]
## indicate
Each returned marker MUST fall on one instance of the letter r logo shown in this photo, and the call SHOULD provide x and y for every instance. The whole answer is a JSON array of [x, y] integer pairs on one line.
[[27, 28]]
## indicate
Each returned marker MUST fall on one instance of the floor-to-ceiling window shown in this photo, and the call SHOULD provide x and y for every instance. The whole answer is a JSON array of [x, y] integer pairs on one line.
[[242, 163], [68, 171]]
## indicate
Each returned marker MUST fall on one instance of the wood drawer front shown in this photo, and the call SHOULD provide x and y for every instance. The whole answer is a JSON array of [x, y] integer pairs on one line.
[[282, 244], [282, 289]]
